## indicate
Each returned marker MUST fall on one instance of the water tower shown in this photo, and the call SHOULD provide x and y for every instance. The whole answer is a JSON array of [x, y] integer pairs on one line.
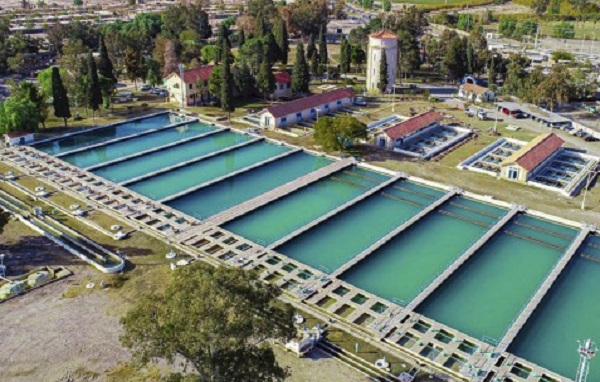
[[380, 43]]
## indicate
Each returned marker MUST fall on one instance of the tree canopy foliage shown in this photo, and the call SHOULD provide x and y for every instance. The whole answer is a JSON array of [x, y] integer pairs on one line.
[[338, 133], [214, 319]]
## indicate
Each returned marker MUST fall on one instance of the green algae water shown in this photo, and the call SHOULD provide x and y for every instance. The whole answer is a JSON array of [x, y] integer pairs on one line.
[[486, 294], [277, 219], [93, 137], [172, 182], [132, 168], [399, 270], [117, 150], [337, 240], [230, 192], [570, 312]]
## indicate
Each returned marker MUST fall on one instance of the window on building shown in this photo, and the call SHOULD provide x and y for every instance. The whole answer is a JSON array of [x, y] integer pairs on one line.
[[191, 86], [513, 173]]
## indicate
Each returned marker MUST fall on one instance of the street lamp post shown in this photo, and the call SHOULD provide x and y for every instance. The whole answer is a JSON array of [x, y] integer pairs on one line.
[[587, 185]]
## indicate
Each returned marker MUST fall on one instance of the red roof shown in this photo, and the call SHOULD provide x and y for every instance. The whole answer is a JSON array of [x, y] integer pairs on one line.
[[17, 134], [305, 103], [540, 152], [383, 34], [190, 76], [283, 78], [413, 124]]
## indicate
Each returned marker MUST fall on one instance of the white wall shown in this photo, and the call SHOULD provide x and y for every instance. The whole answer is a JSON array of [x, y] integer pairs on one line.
[[374, 54]]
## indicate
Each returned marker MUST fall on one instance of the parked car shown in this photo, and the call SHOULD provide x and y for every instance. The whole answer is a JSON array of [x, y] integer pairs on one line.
[[163, 93], [154, 90], [360, 101], [145, 87]]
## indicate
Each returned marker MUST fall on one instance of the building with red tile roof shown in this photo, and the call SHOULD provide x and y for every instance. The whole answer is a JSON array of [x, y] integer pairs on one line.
[[195, 90], [395, 135], [15, 138], [475, 93], [520, 165], [283, 85], [306, 108]]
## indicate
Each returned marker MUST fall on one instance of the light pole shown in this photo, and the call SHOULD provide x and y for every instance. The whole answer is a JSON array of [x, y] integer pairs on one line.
[[182, 85]]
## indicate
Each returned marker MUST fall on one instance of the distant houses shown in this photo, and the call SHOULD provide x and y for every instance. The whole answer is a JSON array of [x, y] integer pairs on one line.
[[195, 86], [283, 85], [18, 138], [305, 109], [475, 93]]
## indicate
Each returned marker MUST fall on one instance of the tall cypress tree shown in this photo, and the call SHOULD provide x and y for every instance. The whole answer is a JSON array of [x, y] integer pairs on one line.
[[314, 63], [345, 58], [323, 55], [105, 66], [60, 100], [226, 82], [383, 73], [281, 36], [223, 44], [310, 47], [242, 37], [265, 79], [300, 73], [272, 52], [94, 94]]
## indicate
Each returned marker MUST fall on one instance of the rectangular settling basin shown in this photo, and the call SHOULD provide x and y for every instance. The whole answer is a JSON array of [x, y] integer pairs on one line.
[[570, 312], [486, 294], [220, 196], [275, 220], [403, 267], [332, 243]]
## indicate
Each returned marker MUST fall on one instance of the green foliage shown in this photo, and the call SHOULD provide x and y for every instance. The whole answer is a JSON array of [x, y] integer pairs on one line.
[[310, 47], [345, 55], [307, 16], [387, 5], [359, 57], [281, 37], [323, 55], [18, 114], [383, 74], [105, 66], [214, 82], [180, 17], [272, 52], [208, 53], [214, 319], [244, 81], [338, 133], [60, 99], [94, 92], [300, 73], [133, 64], [564, 30], [265, 80], [223, 44], [28, 91], [4, 219], [562, 55], [226, 85], [466, 22], [511, 27], [454, 61], [77, 3]]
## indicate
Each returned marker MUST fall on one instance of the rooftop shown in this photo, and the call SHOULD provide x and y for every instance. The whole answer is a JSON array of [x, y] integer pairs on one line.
[[536, 151], [283, 78], [191, 75], [305, 103], [413, 124], [383, 34], [475, 89]]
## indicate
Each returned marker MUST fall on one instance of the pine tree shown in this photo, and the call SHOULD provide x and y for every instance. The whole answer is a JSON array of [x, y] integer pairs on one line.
[[244, 81], [94, 93], [242, 37], [310, 48], [60, 98], [105, 66], [323, 56], [300, 74], [345, 55], [223, 44], [281, 36], [265, 79], [226, 82], [272, 52], [383, 73]]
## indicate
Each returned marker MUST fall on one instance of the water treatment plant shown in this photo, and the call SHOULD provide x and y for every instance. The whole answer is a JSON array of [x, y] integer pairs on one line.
[[483, 289]]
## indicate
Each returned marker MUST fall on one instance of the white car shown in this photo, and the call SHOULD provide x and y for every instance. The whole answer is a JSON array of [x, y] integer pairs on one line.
[[145, 87]]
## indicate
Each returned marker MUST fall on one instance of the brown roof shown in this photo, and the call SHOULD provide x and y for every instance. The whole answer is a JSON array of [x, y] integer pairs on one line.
[[536, 151], [300, 104], [383, 34], [413, 124], [190, 76], [473, 88]]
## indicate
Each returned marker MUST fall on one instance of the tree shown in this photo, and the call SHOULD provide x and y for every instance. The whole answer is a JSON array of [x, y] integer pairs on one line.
[[281, 37], [94, 91], [60, 100], [253, 53], [408, 60], [323, 55], [244, 81], [300, 73], [259, 27], [28, 91], [214, 82], [133, 64], [105, 66], [384, 81], [208, 53], [226, 84], [310, 47], [153, 72], [387, 5], [337, 133], [314, 63], [455, 57], [18, 114], [170, 59], [272, 52], [307, 16], [241, 37], [556, 87], [265, 80], [4, 219], [539, 6], [359, 57], [345, 55], [223, 44], [340, 10], [218, 331]]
